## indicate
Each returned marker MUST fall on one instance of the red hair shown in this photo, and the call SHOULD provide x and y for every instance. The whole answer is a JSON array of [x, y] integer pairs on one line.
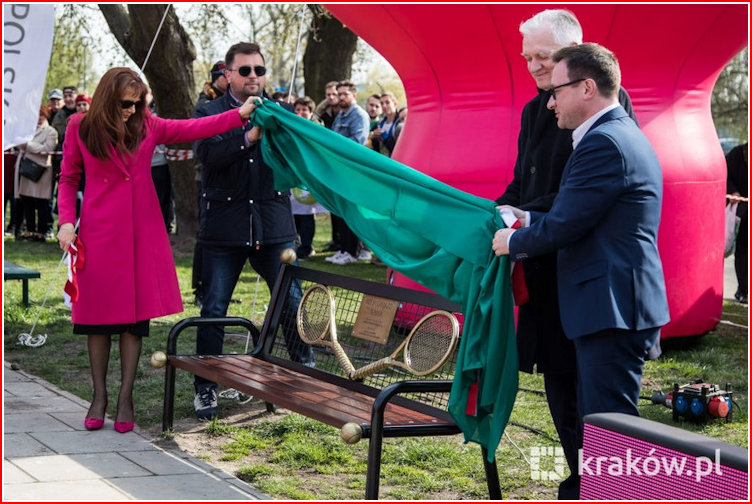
[[103, 125]]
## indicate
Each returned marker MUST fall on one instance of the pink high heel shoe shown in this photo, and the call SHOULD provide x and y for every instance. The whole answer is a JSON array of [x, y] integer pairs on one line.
[[95, 423], [123, 427]]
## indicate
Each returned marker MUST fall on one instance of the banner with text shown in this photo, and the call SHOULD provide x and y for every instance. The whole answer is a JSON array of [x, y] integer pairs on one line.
[[27, 45]]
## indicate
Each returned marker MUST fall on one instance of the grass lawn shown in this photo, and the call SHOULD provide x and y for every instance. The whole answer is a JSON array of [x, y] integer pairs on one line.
[[275, 453]]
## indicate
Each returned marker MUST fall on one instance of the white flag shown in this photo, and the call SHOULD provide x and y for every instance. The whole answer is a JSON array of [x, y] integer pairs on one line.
[[27, 45]]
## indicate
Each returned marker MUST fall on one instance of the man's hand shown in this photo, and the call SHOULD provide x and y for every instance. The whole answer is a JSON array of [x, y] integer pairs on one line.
[[247, 108], [519, 214], [254, 134], [500, 240]]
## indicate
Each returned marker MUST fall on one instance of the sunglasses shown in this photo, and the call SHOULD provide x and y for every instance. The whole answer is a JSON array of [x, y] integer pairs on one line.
[[126, 104], [245, 71]]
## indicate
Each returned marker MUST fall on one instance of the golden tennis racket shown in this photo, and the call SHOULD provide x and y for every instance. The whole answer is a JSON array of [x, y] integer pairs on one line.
[[316, 321], [426, 348]]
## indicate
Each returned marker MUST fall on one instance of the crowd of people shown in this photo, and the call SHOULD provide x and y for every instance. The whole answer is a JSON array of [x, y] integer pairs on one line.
[[578, 239], [32, 202]]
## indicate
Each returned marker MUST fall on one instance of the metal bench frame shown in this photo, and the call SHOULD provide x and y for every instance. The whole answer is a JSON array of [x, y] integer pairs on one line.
[[308, 391]]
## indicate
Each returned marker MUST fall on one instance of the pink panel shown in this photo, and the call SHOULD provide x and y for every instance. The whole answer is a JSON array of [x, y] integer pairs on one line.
[[466, 85], [632, 469]]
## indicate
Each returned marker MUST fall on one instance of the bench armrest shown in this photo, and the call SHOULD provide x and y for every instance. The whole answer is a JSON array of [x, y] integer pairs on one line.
[[172, 338]]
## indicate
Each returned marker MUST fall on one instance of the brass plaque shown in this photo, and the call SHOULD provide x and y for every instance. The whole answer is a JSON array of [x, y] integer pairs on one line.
[[375, 317]]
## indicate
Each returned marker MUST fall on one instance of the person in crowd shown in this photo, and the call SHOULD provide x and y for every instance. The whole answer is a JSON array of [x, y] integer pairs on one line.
[[216, 86], [35, 195], [737, 182], [60, 122], [373, 109], [351, 122], [213, 89], [304, 205], [15, 219], [401, 120], [160, 174], [384, 135], [83, 103], [327, 110], [69, 108], [603, 227], [284, 96], [54, 103], [543, 150], [128, 275], [243, 218]]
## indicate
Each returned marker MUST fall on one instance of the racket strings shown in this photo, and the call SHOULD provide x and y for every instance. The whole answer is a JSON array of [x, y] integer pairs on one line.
[[430, 344], [314, 316]]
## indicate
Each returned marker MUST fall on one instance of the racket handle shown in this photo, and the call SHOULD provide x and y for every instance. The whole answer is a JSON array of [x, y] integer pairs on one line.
[[343, 359], [371, 368]]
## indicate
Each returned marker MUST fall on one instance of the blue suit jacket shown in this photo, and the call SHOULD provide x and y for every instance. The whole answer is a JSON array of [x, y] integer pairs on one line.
[[604, 225]]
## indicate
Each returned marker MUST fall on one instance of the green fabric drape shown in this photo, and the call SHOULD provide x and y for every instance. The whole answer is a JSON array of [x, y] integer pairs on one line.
[[431, 232]]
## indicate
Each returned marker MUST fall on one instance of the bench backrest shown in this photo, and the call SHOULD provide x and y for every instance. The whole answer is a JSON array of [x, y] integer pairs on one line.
[[385, 311]]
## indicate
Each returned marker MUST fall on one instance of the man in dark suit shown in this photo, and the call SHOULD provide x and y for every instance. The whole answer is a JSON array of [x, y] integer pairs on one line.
[[603, 225]]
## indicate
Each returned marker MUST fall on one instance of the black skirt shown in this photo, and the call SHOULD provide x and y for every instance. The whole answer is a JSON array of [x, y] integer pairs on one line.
[[140, 328]]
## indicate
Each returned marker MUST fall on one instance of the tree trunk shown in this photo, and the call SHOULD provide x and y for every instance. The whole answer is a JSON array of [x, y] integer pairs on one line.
[[170, 77], [329, 53]]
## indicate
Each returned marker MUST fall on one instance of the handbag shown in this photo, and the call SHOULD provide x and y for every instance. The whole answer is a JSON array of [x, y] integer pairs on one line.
[[31, 170]]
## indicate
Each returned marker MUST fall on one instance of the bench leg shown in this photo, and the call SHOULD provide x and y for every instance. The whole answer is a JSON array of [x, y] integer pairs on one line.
[[25, 291], [169, 398], [492, 476], [373, 472]]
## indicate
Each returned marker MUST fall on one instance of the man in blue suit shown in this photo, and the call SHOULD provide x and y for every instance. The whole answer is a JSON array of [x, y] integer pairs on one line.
[[603, 225]]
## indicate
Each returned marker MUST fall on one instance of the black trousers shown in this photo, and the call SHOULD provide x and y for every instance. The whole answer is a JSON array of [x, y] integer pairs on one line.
[[163, 185], [741, 252], [306, 227], [561, 395], [36, 212], [348, 241]]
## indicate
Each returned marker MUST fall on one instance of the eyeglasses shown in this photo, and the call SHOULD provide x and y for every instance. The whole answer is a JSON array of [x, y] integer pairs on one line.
[[126, 104], [245, 71], [553, 89]]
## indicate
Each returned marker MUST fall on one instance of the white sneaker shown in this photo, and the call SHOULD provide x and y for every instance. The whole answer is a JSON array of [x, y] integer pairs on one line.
[[335, 257], [365, 255], [344, 259]]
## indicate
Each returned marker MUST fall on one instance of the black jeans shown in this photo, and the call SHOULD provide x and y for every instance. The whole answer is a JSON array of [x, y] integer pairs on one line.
[[306, 227], [221, 269]]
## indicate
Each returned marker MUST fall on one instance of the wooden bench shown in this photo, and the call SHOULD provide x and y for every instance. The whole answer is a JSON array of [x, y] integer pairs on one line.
[[390, 403], [12, 271]]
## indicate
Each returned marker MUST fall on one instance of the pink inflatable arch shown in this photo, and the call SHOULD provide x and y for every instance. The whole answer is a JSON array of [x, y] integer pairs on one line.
[[466, 85]]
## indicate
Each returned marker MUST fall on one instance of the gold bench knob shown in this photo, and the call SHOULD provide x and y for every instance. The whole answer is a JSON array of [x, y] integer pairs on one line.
[[158, 359], [351, 433]]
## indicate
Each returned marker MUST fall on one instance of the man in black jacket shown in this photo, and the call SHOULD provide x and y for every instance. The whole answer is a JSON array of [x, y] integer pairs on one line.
[[543, 150], [242, 218]]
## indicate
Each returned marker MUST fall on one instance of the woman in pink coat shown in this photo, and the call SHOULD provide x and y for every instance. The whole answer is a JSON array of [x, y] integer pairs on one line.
[[128, 275]]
